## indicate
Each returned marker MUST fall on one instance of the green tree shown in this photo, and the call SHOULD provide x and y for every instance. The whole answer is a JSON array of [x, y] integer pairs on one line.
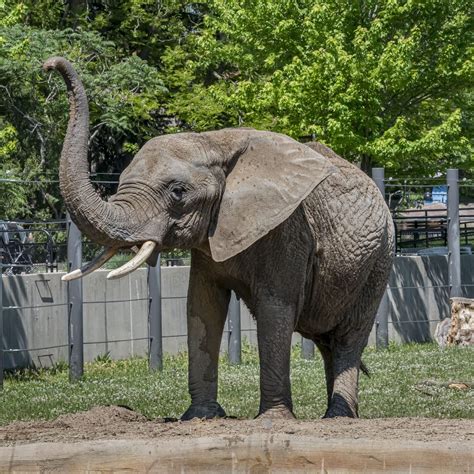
[[385, 82], [380, 81], [14, 198], [125, 92], [141, 27]]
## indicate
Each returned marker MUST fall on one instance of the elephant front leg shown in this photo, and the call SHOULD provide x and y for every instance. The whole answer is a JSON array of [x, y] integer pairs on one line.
[[274, 330], [326, 354], [207, 311]]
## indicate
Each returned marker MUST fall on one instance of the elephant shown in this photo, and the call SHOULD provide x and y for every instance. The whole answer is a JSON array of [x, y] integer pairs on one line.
[[302, 236]]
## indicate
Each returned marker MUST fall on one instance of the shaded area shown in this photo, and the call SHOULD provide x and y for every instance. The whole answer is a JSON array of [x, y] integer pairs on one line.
[[419, 295], [14, 334], [34, 317]]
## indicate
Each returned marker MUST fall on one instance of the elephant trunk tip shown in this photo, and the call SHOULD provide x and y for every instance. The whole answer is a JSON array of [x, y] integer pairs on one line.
[[56, 62]]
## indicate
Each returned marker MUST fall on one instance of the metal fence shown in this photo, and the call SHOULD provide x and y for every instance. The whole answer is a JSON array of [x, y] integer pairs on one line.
[[60, 244], [73, 310], [30, 246], [443, 227]]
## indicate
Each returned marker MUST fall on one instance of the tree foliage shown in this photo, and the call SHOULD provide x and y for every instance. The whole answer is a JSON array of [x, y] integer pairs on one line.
[[383, 82], [125, 94], [380, 81]]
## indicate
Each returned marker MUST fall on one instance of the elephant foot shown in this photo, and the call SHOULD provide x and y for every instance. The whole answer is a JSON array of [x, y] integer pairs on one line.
[[340, 407], [330, 413], [276, 413], [206, 410], [335, 414]]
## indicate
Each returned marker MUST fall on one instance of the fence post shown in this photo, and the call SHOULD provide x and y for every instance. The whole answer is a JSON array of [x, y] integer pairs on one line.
[[155, 336], [381, 323], [381, 320], [235, 339], [454, 250], [74, 294], [378, 175], [1, 321], [307, 348]]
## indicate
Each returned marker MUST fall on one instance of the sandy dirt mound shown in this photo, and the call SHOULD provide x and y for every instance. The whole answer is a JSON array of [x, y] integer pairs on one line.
[[114, 422]]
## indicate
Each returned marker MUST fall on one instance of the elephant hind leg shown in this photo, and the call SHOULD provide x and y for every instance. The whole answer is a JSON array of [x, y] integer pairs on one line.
[[344, 397], [346, 347], [348, 341], [341, 370]]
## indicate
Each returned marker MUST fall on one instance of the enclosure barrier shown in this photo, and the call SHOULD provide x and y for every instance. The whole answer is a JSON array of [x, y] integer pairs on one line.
[[233, 322], [381, 319], [1, 320], [75, 300], [154, 317], [454, 245], [75, 303]]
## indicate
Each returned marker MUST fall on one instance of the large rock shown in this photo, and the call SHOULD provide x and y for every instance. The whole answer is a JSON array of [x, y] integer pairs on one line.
[[461, 331]]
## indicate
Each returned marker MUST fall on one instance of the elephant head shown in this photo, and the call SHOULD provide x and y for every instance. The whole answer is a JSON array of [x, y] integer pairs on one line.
[[218, 191]]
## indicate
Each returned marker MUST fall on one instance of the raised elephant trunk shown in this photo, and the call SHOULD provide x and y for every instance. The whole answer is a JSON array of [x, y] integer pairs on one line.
[[98, 219], [105, 223]]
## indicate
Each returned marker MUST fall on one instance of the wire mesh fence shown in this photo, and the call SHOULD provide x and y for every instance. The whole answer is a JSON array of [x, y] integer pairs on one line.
[[70, 339], [40, 245], [420, 213], [418, 206]]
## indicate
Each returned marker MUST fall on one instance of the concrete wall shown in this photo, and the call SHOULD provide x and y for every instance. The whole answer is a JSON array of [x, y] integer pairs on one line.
[[115, 316], [419, 295], [35, 314]]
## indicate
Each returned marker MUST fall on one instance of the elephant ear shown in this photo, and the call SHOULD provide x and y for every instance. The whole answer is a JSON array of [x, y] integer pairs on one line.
[[268, 181]]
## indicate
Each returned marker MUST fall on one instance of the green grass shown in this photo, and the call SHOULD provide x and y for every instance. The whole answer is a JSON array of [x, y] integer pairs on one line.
[[389, 392]]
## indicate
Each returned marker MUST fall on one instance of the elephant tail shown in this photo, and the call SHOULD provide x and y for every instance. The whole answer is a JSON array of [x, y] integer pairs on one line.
[[365, 370]]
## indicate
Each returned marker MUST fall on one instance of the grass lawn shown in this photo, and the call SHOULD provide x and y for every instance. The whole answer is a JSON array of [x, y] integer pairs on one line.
[[393, 390]]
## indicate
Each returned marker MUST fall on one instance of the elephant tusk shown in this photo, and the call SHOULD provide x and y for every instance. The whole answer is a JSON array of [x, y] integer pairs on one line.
[[94, 264], [141, 256]]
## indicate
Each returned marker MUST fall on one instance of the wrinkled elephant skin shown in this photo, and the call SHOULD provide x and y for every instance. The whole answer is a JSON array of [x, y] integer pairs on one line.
[[301, 235]]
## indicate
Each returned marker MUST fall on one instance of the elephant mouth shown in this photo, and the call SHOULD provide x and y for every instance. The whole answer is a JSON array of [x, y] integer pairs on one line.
[[148, 252]]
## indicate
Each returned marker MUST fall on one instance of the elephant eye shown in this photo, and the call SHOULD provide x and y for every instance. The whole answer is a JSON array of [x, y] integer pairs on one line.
[[177, 192]]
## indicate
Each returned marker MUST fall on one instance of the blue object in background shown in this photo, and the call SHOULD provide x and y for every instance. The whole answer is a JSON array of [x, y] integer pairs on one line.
[[440, 194]]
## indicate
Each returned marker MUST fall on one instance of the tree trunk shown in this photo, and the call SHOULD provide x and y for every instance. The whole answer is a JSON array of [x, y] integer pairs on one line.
[[366, 164]]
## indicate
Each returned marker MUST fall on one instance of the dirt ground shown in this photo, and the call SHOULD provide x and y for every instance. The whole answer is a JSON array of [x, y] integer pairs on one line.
[[115, 422], [111, 439]]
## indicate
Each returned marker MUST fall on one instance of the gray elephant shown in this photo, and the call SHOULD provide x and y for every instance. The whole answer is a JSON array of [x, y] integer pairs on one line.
[[301, 235]]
